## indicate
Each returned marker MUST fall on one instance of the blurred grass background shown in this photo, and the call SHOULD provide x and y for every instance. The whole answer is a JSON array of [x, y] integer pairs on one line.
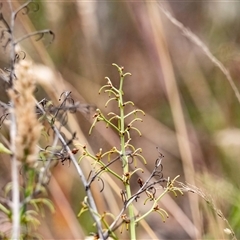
[[192, 114]]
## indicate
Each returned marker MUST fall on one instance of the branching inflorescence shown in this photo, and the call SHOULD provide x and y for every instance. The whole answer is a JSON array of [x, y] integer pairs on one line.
[[128, 155]]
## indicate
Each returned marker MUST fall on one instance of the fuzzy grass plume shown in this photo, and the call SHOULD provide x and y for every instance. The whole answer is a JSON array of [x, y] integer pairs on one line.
[[28, 129]]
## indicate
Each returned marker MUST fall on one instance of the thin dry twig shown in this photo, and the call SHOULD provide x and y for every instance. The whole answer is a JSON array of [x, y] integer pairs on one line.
[[194, 39], [91, 202], [15, 164], [208, 199]]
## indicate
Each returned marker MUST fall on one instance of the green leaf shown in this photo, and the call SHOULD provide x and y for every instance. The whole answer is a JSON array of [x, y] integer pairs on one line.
[[4, 209], [3, 149], [38, 201], [29, 217]]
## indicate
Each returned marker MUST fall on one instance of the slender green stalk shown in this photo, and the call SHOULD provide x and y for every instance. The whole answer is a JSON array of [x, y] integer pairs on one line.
[[153, 205], [128, 150], [125, 158]]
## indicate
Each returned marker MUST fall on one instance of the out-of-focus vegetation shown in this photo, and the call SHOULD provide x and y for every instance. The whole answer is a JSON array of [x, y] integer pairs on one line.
[[192, 114]]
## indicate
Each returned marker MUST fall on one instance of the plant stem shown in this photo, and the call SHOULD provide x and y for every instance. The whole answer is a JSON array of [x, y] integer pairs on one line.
[[91, 202], [125, 158], [13, 132], [15, 184]]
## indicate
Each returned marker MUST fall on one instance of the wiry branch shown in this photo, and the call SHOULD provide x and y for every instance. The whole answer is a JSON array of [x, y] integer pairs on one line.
[[6, 29], [41, 34], [23, 6], [13, 132], [91, 202]]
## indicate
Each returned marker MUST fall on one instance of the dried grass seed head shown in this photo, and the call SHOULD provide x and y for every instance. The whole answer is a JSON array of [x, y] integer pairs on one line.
[[28, 129]]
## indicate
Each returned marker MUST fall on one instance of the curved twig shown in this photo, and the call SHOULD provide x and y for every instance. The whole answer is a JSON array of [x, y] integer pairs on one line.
[[41, 33], [23, 6]]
